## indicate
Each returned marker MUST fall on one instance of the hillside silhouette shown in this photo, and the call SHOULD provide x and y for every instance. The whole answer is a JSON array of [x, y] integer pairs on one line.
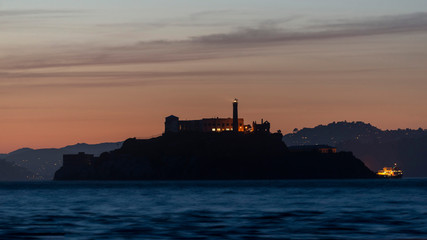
[[375, 147], [43, 163], [11, 172]]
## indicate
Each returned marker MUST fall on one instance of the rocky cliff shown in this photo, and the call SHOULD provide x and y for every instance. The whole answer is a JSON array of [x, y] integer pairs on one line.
[[214, 156]]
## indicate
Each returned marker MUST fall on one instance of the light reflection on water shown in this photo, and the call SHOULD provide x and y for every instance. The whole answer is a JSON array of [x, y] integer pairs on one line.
[[303, 209]]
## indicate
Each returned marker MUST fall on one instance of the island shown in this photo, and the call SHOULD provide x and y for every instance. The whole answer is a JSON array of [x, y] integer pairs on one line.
[[211, 156], [213, 149]]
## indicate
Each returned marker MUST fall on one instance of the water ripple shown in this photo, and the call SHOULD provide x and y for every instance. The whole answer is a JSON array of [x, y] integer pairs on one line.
[[351, 209]]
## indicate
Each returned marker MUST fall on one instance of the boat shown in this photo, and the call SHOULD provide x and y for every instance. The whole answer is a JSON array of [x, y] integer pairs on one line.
[[390, 172]]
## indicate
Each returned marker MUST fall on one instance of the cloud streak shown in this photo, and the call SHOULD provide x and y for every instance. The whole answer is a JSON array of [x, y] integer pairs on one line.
[[198, 19], [113, 79], [107, 79], [214, 46], [34, 12], [266, 33]]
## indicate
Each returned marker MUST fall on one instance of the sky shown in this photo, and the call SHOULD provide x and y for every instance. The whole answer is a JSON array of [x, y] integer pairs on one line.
[[74, 71]]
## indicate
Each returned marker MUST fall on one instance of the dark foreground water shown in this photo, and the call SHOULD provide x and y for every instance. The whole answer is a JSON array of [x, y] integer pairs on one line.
[[315, 209]]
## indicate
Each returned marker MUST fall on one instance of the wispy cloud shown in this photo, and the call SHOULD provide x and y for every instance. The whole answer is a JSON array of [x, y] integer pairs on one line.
[[216, 18], [343, 28], [214, 46], [112, 79], [128, 74], [34, 12], [29, 20]]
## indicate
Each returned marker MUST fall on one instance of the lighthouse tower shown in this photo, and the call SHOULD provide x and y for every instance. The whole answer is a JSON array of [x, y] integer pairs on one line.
[[235, 116]]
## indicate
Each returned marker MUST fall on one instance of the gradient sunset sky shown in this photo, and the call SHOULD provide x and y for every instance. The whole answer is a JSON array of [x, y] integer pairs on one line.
[[96, 71]]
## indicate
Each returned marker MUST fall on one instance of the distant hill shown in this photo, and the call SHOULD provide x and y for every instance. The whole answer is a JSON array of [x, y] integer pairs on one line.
[[42, 163], [375, 147], [11, 172]]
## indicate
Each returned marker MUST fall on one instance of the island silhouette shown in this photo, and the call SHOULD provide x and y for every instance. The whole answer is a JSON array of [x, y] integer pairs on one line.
[[213, 148]]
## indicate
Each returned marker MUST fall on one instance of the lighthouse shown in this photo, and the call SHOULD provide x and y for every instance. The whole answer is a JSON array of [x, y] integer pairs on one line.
[[235, 116]]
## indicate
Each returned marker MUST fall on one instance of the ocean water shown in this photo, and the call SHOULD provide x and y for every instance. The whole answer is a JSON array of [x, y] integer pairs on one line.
[[288, 209]]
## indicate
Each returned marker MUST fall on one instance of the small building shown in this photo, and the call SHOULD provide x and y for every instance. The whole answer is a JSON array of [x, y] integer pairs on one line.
[[313, 148], [263, 127], [234, 124], [172, 124]]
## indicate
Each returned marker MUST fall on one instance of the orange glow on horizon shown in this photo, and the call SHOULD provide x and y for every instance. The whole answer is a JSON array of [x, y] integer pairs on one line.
[[292, 86]]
